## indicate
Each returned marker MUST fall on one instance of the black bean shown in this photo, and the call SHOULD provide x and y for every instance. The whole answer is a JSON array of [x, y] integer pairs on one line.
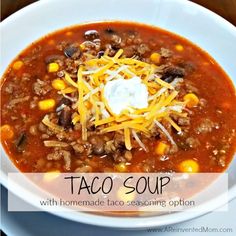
[[62, 104], [92, 128], [100, 54], [65, 117], [64, 101], [20, 142], [71, 50], [172, 72], [168, 79], [109, 31], [175, 71], [91, 35]]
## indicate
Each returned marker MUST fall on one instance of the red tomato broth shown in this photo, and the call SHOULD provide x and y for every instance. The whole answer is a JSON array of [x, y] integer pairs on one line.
[[212, 84]]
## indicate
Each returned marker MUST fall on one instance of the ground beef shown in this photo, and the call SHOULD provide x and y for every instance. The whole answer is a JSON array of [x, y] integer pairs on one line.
[[173, 149], [33, 129], [110, 50], [77, 127], [115, 40], [78, 148], [190, 87], [40, 163], [83, 169], [118, 157], [60, 74], [143, 48], [59, 154], [202, 103], [34, 102], [10, 88], [45, 136], [192, 142], [110, 147], [155, 132], [119, 140], [60, 46], [164, 52], [97, 143], [67, 159], [221, 161], [115, 148], [71, 66], [16, 101], [46, 132], [146, 168], [92, 47], [129, 51], [128, 155], [131, 38], [206, 126], [41, 87], [42, 127], [64, 136], [55, 156], [183, 121]]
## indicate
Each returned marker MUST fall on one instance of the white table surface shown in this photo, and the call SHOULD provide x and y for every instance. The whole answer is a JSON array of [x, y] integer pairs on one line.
[[44, 224]]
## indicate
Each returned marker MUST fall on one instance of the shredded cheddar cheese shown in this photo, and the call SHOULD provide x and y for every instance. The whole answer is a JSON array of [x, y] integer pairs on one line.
[[93, 76]]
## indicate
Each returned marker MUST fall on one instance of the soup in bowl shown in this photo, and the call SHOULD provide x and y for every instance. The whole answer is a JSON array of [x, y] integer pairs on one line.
[[118, 96]]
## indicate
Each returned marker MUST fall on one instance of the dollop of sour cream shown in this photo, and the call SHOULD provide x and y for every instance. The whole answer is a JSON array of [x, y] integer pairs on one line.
[[122, 94]]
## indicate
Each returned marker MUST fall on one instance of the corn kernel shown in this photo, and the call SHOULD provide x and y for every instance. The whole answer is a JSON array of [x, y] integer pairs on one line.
[[155, 58], [152, 90], [69, 33], [7, 132], [121, 167], [58, 84], [123, 196], [189, 166], [179, 47], [88, 104], [226, 105], [82, 47], [46, 104], [75, 119], [191, 100], [17, 65], [161, 148], [51, 42], [51, 175], [53, 67]]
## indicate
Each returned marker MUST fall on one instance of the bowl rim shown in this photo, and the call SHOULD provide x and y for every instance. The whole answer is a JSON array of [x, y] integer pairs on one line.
[[114, 221]]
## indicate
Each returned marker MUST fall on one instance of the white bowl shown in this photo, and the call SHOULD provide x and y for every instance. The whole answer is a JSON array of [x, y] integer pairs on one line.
[[206, 29]]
